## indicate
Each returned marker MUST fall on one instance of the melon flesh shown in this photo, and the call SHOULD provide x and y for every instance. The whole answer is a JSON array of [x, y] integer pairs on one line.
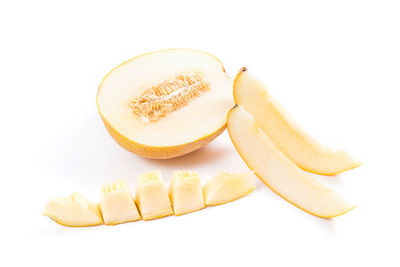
[[117, 205], [166, 103], [185, 192], [287, 135], [152, 196], [279, 172], [227, 187], [74, 210]]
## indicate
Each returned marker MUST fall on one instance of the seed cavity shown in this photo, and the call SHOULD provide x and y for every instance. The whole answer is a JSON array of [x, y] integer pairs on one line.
[[170, 95]]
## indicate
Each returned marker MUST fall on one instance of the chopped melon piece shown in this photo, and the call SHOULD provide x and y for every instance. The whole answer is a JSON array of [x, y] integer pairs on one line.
[[286, 134], [117, 205], [74, 210], [280, 173], [152, 196], [227, 187], [184, 94], [185, 192]]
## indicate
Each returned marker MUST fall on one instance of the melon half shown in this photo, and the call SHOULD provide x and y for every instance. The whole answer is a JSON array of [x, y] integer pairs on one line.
[[166, 103]]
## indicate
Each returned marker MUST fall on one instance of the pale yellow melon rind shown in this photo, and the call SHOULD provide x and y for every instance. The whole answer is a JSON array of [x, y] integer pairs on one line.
[[159, 152], [164, 152], [233, 199], [66, 225], [184, 213], [60, 223]]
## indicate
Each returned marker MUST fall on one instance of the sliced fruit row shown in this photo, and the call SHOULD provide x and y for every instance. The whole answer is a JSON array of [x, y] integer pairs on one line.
[[153, 199]]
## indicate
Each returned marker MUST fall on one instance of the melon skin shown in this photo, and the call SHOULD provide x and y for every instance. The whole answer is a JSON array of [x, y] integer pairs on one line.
[[165, 152], [173, 149]]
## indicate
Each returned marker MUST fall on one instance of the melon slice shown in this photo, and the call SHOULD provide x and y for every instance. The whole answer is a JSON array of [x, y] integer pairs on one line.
[[74, 210], [166, 103], [185, 192], [287, 135], [117, 205], [152, 196], [227, 187], [279, 172]]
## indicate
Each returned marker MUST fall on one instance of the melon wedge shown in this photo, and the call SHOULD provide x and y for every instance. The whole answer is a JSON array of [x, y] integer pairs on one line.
[[74, 210], [166, 103], [226, 187], [152, 196], [117, 205], [279, 172], [185, 192], [287, 135]]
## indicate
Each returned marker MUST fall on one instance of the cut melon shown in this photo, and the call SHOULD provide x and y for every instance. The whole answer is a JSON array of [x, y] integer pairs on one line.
[[227, 187], [287, 135], [117, 205], [185, 192], [152, 196], [166, 103], [279, 172], [74, 210]]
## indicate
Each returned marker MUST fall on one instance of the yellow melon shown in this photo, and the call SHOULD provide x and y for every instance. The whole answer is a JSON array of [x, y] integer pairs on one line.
[[226, 187], [185, 192], [166, 103], [279, 172], [117, 205], [152, 196], [287, 135], [74, 210]]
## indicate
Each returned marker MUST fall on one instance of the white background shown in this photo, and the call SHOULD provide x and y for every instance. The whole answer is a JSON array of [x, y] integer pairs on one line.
[[334, 65]]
